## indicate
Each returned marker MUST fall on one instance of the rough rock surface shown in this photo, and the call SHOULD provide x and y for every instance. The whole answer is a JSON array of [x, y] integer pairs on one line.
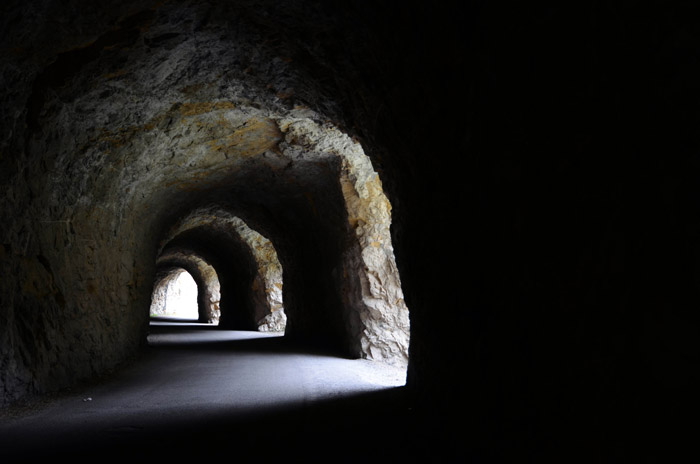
[[121, 128], [379, 313]]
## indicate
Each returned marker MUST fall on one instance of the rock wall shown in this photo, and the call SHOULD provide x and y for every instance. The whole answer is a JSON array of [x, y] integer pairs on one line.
[[370, 283], [143, 113]]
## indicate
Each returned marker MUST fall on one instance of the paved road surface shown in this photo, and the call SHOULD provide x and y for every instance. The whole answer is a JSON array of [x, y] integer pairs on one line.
[[205, 392]]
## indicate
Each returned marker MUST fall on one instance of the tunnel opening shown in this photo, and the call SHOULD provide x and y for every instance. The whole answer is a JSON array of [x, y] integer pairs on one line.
[[305, 199], [248, 272], [175, 297], [321, 203], [204, 275]]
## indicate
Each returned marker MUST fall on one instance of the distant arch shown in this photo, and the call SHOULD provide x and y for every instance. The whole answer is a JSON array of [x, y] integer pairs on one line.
[[175, 295]]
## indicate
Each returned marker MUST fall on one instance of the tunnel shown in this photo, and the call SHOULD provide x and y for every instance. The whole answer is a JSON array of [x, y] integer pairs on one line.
[[170, 267], [175, 295], [498, 199]]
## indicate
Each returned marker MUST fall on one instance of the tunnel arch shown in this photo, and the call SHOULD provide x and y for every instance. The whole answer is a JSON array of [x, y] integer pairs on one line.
[[320, 201], [131, 133], [235, 268], [175, 294], [241, 245], [203, 274]]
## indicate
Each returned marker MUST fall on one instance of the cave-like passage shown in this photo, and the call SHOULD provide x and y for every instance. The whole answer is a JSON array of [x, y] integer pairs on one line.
[[205, 307], [236, 269], [156, 149]]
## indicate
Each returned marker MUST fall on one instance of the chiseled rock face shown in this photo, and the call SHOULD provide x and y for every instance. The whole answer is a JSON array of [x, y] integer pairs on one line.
[[273, 322], [142, 115], [383, 328]]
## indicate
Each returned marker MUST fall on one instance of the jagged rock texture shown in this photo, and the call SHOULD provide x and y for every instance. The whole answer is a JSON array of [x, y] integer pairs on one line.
[[120, 130]]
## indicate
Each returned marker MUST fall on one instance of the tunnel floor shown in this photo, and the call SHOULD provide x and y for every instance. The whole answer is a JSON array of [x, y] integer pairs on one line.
[[200, 390]]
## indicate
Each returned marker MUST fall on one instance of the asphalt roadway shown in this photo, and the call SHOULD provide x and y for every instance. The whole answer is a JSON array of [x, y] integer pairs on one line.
[[208, 393]]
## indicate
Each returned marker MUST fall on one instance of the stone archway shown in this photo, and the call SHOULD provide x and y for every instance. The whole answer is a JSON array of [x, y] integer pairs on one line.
[[175, 295], [204, 274], [266, 284], [126, 130]]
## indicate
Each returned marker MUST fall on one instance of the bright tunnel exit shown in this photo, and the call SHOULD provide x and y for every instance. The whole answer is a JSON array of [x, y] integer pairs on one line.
[[175, 296]]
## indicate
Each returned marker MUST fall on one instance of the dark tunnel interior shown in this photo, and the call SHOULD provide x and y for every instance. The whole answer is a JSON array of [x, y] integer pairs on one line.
[[501, 198], [235, 267]]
